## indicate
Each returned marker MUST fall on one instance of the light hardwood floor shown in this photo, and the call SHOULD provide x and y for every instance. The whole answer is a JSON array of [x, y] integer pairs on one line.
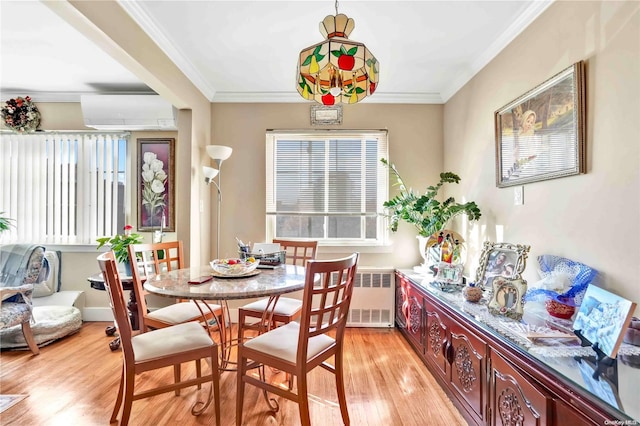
[[74, 382]]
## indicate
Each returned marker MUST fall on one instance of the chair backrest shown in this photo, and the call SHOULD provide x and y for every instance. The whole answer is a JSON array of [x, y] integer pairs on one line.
[[326, 300], [112, 283], [298, 252], [150, 259]]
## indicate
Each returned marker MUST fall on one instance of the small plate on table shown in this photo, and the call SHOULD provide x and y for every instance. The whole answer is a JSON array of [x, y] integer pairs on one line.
[[243, 275]]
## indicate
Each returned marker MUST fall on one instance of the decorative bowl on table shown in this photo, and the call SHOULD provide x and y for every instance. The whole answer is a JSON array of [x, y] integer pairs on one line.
[[556, 308], [234, 267]]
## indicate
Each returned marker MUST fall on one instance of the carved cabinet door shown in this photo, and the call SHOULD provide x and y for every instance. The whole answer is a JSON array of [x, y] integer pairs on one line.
[[400, 298], [436, 339], [468, 356], [410, 301], [514, 400]]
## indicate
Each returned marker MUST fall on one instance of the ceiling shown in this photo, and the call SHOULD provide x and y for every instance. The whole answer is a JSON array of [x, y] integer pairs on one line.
[[246, 51]]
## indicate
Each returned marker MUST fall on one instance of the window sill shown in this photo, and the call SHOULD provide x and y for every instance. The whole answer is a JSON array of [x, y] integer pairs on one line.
[[332, 248]]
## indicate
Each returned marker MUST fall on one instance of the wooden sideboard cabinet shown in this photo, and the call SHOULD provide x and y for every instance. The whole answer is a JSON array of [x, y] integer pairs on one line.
[[491, 379]]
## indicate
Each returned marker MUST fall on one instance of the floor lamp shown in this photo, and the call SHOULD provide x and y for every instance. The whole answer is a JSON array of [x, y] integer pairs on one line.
[[218, 153]]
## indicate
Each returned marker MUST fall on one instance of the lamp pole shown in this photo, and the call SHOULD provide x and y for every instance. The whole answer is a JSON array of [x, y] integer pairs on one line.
[[219, 208], [218, 153]]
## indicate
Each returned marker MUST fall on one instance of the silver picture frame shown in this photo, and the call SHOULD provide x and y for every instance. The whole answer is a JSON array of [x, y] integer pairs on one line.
[[322, 115], [504, 260]]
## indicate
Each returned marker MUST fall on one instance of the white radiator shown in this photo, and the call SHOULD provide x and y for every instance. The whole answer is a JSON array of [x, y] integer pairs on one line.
[[373, 303]]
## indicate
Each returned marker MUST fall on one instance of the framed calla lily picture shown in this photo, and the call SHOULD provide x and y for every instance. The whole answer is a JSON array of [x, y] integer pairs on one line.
[[156, 184]]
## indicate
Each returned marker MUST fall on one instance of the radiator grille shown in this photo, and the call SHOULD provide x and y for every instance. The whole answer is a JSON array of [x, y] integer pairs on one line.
[[373, 298]]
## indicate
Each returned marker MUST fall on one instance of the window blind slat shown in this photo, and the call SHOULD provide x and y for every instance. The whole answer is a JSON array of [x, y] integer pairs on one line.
[[61, 188]]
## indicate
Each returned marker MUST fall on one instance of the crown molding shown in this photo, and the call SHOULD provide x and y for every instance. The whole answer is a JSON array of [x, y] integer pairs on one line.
[[66, 96], [294, 97], [529, 15], [240, 97], [144, 20]]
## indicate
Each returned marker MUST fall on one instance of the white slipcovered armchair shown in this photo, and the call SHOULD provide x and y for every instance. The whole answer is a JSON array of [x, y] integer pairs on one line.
[[34, 310], [16, 309]]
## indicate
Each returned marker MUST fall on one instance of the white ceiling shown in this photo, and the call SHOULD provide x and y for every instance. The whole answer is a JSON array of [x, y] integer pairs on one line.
[[246, 51]]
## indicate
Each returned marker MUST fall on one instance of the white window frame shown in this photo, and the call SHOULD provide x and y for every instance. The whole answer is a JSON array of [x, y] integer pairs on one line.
[[61, 188], [382, 182]]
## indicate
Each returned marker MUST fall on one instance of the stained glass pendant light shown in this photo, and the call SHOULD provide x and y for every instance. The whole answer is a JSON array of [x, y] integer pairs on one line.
[[337, 70]]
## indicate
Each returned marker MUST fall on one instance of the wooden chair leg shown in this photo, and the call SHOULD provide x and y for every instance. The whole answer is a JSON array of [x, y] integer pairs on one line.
[[342, 399], [176, 377], [129, 383], [28, 337], [199, 372], [118, 404], [303, 400], [240, 389], [215, 372]]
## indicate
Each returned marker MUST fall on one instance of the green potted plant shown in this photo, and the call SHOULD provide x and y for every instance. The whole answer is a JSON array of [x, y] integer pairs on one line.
[[120, 243], [424, 211], [5, 222]]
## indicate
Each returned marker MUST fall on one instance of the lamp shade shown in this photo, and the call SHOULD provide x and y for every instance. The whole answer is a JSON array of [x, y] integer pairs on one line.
[[209, 173], [219, 152], [337, 70]]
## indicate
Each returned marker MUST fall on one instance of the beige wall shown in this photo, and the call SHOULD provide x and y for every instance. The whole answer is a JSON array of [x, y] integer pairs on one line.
[[415, 146], [592, 218]]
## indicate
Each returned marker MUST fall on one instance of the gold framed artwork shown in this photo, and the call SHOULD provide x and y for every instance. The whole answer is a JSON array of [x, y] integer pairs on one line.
[[504, 260], [156, 184], [507, 297], [541, 134]]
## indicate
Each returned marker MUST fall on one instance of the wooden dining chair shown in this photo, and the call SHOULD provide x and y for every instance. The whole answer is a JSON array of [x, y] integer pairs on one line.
[[297, 348], [151, 350], [286, 309], [149, 259]]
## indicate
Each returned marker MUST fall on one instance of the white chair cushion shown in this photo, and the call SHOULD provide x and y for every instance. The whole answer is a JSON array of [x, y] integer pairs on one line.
[[178, 312], [284, 306], [51, 323], [170, 340], [282, 343]]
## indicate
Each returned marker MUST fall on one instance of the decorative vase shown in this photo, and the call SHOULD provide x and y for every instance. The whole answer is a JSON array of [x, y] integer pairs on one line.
[[127, 268], [422, 249]]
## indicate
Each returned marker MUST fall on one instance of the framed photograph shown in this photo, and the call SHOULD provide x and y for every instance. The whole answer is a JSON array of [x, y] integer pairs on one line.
[[326, 115], [449, 273], [501, 260], [156, 184], [603, 318], [541, 134], [507, 298]]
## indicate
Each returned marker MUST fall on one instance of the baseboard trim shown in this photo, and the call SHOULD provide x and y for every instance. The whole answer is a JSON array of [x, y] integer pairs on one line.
[[97, 314]]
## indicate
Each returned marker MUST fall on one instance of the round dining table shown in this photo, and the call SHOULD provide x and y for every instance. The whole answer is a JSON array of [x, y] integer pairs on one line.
[[183, 284]]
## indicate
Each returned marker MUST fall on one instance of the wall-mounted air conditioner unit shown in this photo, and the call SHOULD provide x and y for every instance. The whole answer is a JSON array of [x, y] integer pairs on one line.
[[128, 112]]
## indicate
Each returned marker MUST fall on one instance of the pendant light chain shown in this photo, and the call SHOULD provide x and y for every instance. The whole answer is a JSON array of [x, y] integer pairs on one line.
[[336, 7]]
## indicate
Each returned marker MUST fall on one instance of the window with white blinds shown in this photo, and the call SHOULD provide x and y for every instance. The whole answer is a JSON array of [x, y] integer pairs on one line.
[[62, 188], [328, 186]]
